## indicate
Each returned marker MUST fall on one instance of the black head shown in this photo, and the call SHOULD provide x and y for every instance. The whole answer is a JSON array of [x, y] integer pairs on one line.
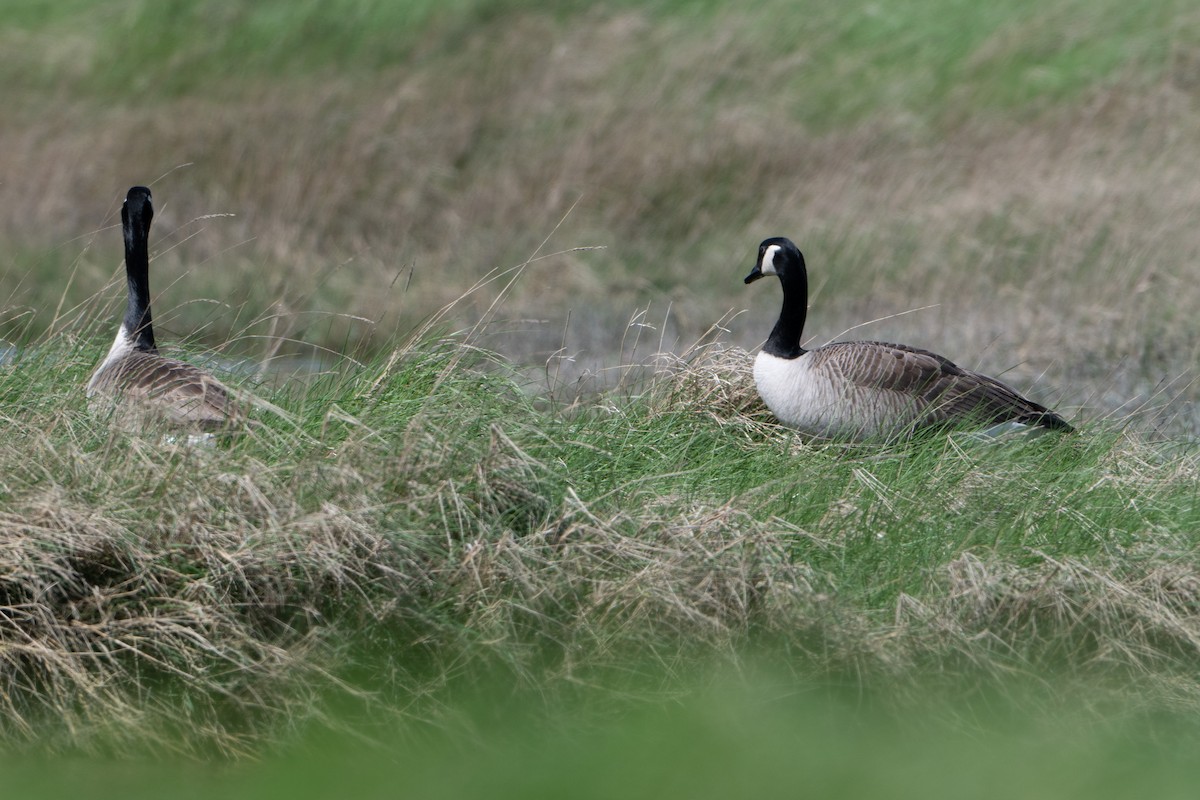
[[138, 211], [777, 256]]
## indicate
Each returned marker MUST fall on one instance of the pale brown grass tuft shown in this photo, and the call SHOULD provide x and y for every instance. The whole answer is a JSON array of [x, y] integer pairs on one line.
[[1124, 637], [716, 380], [181, 610]]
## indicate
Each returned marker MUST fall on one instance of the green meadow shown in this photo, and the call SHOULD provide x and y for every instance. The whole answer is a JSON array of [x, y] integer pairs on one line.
[[514, 520]]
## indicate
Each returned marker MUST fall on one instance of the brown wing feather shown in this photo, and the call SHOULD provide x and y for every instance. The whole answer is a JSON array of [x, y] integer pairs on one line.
[[179, 392], [939, 390]]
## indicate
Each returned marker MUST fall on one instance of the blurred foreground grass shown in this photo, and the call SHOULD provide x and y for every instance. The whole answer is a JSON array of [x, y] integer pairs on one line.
[[727, 740]]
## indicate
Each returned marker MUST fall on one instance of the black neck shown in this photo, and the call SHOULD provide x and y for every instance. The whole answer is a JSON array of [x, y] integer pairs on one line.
[[784, 340], [137, 273]]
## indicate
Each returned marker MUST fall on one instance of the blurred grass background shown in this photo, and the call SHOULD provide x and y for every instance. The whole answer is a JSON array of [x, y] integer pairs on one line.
[[333, 172]]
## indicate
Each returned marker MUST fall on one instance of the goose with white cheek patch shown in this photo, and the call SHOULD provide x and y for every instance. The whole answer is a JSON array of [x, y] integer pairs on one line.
[[141, 387], [858, 391]]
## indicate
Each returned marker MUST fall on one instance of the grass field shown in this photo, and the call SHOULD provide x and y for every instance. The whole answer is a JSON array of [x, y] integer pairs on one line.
[[527, 519], [1025, 175]]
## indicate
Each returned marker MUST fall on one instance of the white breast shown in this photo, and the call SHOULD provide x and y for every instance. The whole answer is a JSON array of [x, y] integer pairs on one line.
[[122, 346], [820, 402]]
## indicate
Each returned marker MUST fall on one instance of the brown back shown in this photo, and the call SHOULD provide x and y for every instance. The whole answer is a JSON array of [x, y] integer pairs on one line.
[[175, 392], [939, 390]]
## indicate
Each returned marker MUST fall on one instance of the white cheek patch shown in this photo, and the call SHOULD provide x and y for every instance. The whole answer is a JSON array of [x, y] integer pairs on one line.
[[767, 265]]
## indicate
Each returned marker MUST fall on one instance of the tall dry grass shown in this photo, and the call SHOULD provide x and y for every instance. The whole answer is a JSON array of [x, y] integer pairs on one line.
[[419, 530]]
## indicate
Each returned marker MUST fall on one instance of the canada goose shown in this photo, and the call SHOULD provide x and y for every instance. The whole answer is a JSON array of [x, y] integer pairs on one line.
[[143, 385], [869, 390]]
